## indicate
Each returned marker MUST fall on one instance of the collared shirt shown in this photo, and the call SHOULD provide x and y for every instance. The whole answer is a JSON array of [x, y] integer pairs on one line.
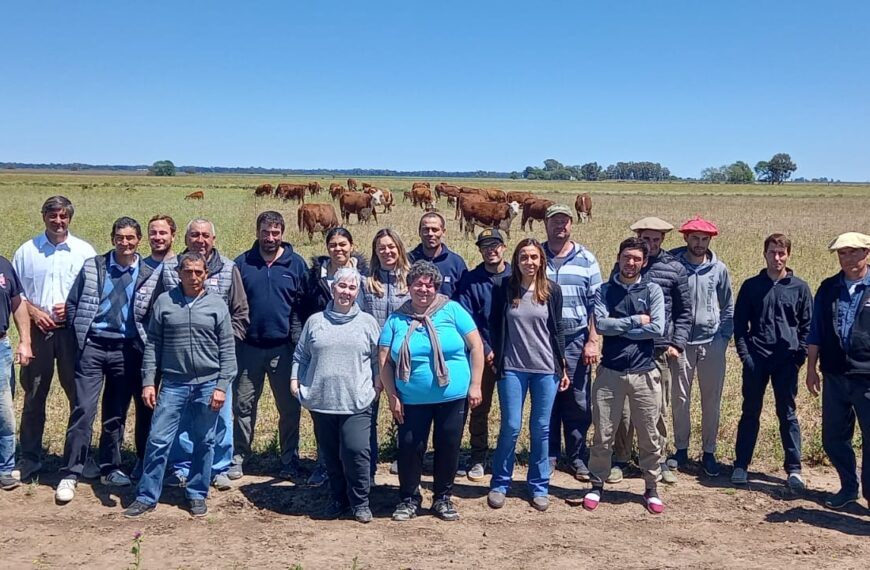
[[579, 276], [47, 271], [116, 321], [847, 309]]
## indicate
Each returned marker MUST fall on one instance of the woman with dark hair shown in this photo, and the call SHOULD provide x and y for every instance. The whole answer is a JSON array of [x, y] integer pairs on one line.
[[526, 331], [431, 358]]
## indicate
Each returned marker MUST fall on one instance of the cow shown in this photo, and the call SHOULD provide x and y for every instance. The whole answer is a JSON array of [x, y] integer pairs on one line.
[[364, 216], [351, 185], [534, 209], [444, 189], [366, 186], [197, 195], [336, 190], [488, 215], [388, 201], [291, 192], [421, 196], [316, 217], [583, 205], [263, 190], [494, 195], [463, 199], [422, 184], [407, 196], [314, 188], [520, 197], [352, 203]]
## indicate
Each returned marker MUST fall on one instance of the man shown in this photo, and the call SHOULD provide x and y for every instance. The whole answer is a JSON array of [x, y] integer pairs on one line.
[[432, 228], [712, 325], [225, 282], [190, 341], [47, 265], [839, 344], [107, 307], [576, 270], [273, 276], [10, 304], [664, 270], [771, 324], [630, 315], [475, 294]]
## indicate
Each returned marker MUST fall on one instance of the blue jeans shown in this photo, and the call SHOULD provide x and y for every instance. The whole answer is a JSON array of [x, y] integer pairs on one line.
[[177, 403], [512, 391], [182, 449], [843, 405], [7, 410]]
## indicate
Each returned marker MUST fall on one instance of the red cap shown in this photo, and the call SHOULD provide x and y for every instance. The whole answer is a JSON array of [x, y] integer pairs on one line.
[[699, 224]]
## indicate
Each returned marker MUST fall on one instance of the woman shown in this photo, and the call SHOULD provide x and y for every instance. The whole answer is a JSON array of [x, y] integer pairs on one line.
[[385, 291], [526, 331], [428, 378], [332, 376]]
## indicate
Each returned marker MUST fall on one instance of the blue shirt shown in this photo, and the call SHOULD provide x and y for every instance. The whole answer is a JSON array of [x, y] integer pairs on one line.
[[104, 325], [451, 323], [847, 310]]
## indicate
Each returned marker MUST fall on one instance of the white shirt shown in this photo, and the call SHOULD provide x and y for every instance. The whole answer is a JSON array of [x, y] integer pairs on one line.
[[47, 271]]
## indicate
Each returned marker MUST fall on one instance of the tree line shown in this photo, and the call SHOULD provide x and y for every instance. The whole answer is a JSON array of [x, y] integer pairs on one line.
[[591, 171], [774, 171]]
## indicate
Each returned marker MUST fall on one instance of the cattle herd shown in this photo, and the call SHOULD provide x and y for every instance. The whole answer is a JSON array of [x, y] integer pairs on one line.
[[473, 207]]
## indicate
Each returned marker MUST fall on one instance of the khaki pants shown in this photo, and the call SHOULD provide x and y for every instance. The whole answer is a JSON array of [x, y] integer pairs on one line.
[[709, 361], [625, 432], [609, 392]]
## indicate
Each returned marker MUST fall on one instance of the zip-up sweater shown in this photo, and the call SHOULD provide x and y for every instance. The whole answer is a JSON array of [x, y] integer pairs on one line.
[[773, 318], [275, 294], [629, 346], [712, 301], [579, 276], [317, 291], [190, 342], [855, 361], [450, 264], [475, 294], [382, 307]]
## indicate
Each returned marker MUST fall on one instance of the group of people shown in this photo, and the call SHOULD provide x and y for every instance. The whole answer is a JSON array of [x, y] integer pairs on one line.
[[191, 338]]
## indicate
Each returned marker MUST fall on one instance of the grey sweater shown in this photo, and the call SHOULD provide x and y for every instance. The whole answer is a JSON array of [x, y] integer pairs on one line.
[[336, 362], [190, 343]]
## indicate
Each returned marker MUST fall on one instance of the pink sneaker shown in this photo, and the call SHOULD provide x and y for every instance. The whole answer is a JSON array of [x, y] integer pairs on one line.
[[592, 500], [653, 503]]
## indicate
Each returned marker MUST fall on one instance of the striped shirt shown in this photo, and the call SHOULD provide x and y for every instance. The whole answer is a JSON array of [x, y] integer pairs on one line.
[[579, 276]]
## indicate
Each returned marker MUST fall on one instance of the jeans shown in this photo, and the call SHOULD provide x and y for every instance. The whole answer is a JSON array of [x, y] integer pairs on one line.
[[478, 424], [844, 402], [182, 449], [7, 410], [177, 404], [573, 407], [512, 391], [782, 373], [448, 421], [344, 447]]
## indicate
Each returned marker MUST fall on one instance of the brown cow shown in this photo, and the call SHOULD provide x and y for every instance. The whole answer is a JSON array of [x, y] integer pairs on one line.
[[583, 205], [364, 216], [314, 188], [352, 203], [520, 197], [534, 209], [316, 217], [407, 196], [444, 189], [336, 190], [494, 195], [291, 192], [366, 186], [462, 199], [387, 200], [488, 215], [421, 184], [351, 185], [197, 195], [422, 196], [263, 190]]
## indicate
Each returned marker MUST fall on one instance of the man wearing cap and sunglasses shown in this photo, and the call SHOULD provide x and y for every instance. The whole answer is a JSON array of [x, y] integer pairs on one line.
[[712, 326], [839, 344]]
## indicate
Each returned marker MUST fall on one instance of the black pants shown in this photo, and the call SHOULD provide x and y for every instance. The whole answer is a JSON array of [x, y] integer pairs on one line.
[[343, 444], [448, 419], [845, 403], [782, 373], [572, 410], [144, 414], [120, 362]]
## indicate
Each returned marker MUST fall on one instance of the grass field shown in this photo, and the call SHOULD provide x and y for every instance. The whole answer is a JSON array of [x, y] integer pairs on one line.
[[810, 214]]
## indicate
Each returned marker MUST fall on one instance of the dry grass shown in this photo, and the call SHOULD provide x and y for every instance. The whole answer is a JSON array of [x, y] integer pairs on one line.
[[810, 214]]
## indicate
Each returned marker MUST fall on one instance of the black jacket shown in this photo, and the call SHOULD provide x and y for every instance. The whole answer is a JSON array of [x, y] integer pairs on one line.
[[501, 302], [475, 294], [316, 293], [832, 358]]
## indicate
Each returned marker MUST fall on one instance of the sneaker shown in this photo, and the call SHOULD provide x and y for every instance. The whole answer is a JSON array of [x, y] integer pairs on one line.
[[495, 499], [739, 476], [653, 503], [235, 471], [116, 478], [796, 483], [581, 471], [541, 503], [8, 482], [335, 510], [405, 511], [91, 470], [66, 490], [461, 472], [841, 500], [668, 476], [137, 509], [318, 477], [679, 459], [27, 469], [593, 498], [711, 466], [175, 479], [394, 468], [444, 510], [197, 507], [221, 482], [476, 473], [616, 474], [362, 514], [290, 471]]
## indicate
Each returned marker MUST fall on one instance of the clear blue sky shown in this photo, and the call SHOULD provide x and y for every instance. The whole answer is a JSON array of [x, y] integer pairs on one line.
[[438, 85]]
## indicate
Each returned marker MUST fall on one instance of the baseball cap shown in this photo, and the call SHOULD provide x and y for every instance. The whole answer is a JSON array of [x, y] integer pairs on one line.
[[559, 209], [489, 236], [699, 224], [850, 239], [651, 223]]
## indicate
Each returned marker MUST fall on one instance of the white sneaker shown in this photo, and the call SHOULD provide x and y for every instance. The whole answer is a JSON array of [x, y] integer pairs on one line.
[[66, 490], [795, 482], [739, 476], [116, 478], [91, 470]]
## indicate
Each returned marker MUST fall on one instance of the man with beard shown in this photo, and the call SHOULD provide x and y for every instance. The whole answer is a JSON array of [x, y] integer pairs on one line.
[[432, 228]]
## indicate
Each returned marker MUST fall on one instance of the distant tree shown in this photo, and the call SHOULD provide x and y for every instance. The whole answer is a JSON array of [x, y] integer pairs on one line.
[[762, 171], [551, 165], [780, 168], [162, 168], [591, 171], [515, 175], [715, 174], [740, 173]]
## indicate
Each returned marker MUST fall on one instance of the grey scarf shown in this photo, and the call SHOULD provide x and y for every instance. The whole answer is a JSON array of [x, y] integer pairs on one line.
[[338, 317], [404, 365]]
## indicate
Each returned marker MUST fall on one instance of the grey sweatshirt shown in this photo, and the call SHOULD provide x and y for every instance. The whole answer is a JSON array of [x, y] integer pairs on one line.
[[335, 363], [712, 301], [190, 343]]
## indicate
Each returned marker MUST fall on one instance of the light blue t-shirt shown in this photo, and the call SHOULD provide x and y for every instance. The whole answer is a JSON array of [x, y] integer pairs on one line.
[[452, 323]]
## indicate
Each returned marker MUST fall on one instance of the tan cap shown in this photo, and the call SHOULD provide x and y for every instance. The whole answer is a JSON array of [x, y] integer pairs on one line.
[[559, 209], [850, 239], [651, 223]]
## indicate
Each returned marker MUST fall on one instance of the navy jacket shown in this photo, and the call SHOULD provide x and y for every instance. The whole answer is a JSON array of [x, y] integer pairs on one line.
[[451, 265], [855, 361], [475, 294]]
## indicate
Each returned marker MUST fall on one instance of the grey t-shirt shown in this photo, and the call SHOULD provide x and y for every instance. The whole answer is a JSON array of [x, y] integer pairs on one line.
[[528, 340]]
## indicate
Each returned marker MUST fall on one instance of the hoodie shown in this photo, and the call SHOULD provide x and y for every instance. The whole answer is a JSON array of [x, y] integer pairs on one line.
[[450, 264], [712, 301]]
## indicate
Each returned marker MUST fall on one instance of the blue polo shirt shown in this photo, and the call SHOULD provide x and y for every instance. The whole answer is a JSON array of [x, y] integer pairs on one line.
[[115, 316]]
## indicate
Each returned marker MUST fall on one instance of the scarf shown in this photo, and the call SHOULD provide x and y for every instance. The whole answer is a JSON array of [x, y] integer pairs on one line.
[[403, 367], [340, 318]]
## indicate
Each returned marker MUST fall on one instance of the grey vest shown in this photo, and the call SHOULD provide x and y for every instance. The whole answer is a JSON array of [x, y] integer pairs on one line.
[[220, 275]]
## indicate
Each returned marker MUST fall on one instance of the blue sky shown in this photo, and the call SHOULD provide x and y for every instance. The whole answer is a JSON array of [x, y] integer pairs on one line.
[[438, 85]]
